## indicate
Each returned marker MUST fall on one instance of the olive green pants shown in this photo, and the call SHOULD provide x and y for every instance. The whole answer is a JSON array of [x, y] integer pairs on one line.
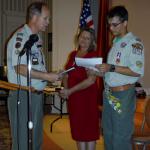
[[19, 121], [118, 128]]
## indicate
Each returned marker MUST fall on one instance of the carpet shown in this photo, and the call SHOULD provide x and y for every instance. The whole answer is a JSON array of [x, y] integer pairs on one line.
[[61, 136], [59, 139], [5, 139], [48, 144]]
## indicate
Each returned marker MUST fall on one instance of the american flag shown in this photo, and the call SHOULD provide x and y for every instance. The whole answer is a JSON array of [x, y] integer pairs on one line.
[[86, 17]]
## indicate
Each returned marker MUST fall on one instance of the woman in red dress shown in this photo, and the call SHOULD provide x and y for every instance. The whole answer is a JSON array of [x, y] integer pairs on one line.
[[81, 90]]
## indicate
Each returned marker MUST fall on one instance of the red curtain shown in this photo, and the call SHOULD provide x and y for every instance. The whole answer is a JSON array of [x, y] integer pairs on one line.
[[102, 39]]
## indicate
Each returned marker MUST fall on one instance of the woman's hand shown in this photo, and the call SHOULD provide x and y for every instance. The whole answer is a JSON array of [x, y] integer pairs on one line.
[[64, 93], [94, 72]]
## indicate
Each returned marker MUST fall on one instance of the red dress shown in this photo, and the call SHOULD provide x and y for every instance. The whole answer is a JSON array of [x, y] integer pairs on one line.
[[83, 104]]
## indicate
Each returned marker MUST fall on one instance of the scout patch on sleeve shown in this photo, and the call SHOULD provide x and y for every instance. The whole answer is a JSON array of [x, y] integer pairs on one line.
[[19, 39], [19, 34], [17, 45], [139, 64], [18, 42], [137, 48]]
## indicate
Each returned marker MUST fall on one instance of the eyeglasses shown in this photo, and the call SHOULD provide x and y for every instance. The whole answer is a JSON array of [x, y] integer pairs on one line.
[[114, 24]]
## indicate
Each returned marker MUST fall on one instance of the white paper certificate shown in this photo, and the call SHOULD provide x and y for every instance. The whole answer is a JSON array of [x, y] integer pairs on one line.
[[88, 62], [66, 71]]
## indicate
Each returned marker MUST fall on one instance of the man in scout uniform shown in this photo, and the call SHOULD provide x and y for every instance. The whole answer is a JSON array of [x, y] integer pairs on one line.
[[37, 21], [125, 65]]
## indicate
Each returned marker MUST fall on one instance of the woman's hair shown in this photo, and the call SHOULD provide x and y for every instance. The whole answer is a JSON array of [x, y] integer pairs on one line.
[[35, 8], [119, 11], [92, 46]]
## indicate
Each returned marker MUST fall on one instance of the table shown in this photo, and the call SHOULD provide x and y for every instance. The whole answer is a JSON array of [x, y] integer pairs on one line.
[[52, 93], [3, 96]]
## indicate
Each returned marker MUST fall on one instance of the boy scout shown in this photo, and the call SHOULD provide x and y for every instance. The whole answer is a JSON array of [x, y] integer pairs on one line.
[[125, 65], [37, 21]]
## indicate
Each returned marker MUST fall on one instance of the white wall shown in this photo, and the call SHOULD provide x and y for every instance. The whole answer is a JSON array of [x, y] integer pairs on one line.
[[65, 22], [139, 24]]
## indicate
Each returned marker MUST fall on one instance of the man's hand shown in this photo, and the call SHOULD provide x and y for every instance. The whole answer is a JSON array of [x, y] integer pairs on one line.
[[51, 77], [103, 68]]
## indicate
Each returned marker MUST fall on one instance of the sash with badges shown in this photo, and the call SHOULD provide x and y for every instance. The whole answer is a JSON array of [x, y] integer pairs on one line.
[[113, 101]]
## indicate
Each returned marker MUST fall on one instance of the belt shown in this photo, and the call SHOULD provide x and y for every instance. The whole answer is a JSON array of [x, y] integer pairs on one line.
[[38, 92], [121, 88]]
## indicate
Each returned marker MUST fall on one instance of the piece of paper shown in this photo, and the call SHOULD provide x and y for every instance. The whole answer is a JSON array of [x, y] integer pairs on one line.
[[66, 71], [88, 62]]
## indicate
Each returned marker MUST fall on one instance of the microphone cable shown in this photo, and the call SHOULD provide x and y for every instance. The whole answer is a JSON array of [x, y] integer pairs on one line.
[[18, 99]]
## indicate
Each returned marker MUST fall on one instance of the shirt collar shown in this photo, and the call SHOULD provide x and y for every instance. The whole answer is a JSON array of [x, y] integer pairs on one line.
[[28, 29]]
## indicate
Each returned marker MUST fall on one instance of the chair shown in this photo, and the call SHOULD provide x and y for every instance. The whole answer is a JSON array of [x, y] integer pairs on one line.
[[143, 140]]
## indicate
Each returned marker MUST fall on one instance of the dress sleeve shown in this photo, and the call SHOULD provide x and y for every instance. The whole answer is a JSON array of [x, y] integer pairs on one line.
[[70, 60]]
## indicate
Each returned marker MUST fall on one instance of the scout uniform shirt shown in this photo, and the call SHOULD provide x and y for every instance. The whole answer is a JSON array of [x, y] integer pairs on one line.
[[128, 52], [14, 47]]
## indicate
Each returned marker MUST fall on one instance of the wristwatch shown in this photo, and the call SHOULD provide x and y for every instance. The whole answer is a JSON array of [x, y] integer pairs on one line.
[[112, 68]]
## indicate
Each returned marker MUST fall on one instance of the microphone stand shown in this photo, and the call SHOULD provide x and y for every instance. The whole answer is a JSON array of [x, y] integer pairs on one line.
[[27, 48], [30, 123]]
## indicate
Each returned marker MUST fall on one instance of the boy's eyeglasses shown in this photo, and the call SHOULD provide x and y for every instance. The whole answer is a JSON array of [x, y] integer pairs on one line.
[[114, 24]]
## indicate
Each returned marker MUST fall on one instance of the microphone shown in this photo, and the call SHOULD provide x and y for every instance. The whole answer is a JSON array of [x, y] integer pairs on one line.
[[29, 43]]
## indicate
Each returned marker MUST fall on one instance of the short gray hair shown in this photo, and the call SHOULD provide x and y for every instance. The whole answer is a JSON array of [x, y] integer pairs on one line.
[[34, 8]]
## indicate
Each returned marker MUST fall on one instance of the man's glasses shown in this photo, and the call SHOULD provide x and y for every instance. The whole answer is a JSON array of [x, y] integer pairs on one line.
[[114, 24]]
